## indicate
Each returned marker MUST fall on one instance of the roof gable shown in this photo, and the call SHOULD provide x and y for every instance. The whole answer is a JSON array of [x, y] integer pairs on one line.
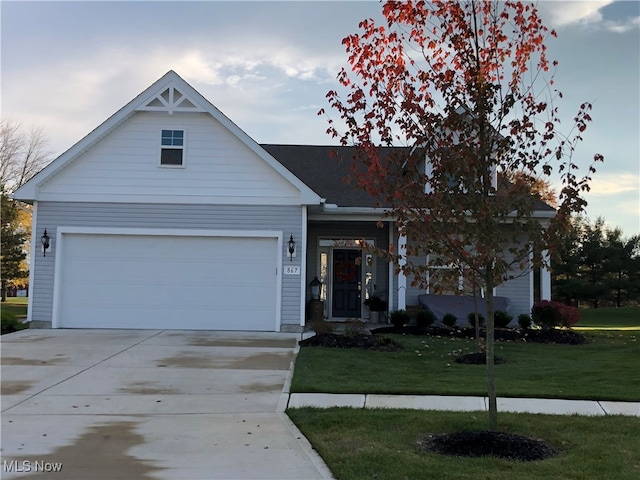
[[171, 95]]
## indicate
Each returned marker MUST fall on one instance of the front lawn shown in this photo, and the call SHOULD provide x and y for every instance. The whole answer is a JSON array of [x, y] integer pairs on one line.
[[16, 306], [382, 444], [625, 318], [603, 369]]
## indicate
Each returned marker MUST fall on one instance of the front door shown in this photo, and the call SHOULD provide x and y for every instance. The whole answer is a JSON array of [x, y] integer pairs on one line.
[[346, 302]]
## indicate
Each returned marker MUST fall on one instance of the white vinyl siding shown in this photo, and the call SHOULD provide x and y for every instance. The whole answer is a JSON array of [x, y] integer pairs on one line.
[[123, 167]]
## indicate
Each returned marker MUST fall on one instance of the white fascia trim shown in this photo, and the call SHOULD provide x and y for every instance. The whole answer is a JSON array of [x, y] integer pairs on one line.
[[62, 230], [363, 214], [332, 211]]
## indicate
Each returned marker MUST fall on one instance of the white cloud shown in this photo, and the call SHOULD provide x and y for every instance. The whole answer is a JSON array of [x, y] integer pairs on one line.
[[586, 14], [565, 13], [604, 184], [630, 24]]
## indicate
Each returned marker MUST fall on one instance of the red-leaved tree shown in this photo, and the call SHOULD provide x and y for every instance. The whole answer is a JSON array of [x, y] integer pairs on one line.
[[469, 86]]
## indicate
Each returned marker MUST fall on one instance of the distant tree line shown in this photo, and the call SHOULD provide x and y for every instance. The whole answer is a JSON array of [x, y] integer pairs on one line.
[[23, 152], [597, 266]]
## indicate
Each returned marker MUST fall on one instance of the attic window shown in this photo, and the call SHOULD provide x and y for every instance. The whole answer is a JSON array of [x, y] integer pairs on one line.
[[172, 148]]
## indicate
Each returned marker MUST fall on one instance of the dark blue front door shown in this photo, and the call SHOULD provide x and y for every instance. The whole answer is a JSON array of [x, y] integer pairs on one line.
[[346, 283]]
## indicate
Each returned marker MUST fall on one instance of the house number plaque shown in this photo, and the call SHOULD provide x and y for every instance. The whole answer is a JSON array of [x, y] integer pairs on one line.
[[291, 270]]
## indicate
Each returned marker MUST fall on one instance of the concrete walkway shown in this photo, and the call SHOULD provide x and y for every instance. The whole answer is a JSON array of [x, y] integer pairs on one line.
[[465, 404]]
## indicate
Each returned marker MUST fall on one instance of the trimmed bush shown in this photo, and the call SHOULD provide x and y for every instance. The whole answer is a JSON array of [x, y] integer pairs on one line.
[[400, 317], [425, 318], [549, 314], [472, 319], [502, 319], [449, 320], [524, 321]]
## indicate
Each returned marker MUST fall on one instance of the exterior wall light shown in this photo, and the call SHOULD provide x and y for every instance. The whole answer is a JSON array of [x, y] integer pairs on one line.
[[45, 242], [292, 247], [315, 288]]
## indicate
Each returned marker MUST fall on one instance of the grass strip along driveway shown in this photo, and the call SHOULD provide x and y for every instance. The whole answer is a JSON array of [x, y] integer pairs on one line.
[[366, 444]]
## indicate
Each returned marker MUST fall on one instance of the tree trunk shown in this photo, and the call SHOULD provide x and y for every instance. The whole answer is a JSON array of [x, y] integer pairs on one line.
[[490, 346], [4, 290], [477, 323]]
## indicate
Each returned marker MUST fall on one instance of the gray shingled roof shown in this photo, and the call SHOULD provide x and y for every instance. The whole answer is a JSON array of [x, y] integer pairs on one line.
[[325, 173]]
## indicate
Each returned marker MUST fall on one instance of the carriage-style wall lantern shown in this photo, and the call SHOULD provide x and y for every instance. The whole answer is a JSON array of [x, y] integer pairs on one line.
[[315, 288], [292, 247], [45, 242]]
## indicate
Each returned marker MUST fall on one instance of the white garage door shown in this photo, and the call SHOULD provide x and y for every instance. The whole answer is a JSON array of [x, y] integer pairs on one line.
[[168, 282]]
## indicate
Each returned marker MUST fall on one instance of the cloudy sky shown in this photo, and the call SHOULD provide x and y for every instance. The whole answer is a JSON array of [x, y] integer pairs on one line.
[[68, 66]]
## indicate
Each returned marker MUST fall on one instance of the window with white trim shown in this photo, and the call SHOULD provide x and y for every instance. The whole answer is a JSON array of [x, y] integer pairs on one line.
[[171, 154]]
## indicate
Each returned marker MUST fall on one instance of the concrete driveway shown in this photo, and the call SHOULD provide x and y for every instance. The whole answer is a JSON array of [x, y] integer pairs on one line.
[[145, 404]]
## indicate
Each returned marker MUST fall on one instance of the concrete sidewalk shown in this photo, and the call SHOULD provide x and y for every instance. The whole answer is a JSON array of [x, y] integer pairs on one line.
[[547, 406]]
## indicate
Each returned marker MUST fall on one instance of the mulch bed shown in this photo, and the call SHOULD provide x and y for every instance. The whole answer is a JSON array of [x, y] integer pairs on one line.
[[380, 343], [553, 335], [478, 358], [367, 342], [483, 443]]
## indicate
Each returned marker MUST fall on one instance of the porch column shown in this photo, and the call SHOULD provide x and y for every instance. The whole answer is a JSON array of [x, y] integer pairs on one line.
[[303, 267], [390, 268], [545, 277], [402, 279]]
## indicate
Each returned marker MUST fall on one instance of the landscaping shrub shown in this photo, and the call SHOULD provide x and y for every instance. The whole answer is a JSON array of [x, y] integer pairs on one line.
[[472, 319], [425, 318], [322, 327], [399, 317], [524, 321], [449, 320], [502, 319], [549, 314], [355, 329], [10, 323]]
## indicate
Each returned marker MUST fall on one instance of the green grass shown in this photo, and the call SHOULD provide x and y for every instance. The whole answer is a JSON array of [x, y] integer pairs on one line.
[[624, 318], [16, 306], [604, 369], [381, 444]]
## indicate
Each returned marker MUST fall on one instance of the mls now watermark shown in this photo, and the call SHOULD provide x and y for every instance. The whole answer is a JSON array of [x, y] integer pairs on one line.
[[29, 466]]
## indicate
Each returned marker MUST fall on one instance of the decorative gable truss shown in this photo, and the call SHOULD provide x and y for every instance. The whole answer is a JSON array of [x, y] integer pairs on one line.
[[171, 100]]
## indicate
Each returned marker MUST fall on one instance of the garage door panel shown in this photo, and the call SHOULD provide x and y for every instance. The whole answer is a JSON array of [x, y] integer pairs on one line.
[[146, 281]]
